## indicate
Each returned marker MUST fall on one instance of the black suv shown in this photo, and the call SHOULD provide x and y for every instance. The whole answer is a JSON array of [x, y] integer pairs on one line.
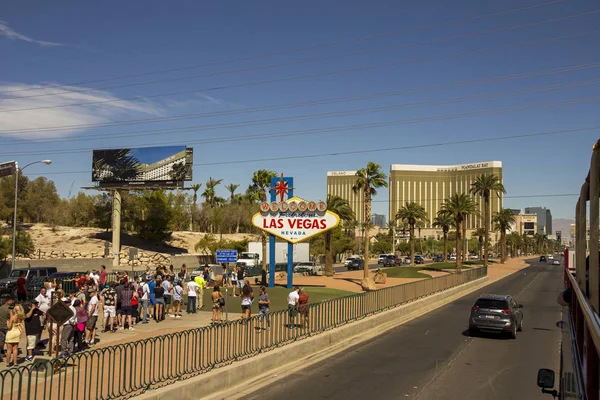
[[9, 285], [542, 258], [497, 314], [355, 263], [391, 260]]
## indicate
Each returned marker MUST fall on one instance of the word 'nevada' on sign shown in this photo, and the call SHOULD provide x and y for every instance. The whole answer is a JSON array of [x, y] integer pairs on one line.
[[295, 220]]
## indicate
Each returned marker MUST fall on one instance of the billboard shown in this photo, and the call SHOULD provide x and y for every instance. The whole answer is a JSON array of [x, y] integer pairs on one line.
[[7, 168], [146, 166]]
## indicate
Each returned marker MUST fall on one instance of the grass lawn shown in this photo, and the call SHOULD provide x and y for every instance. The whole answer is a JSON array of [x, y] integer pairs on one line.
[[405, 272], [452, 265], [278, 296]]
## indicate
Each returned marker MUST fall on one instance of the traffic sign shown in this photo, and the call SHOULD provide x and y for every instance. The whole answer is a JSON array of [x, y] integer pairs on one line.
[[60, 312], [226, 256]]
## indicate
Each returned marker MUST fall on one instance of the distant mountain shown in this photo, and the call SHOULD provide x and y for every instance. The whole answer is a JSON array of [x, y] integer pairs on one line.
[[563, 225]]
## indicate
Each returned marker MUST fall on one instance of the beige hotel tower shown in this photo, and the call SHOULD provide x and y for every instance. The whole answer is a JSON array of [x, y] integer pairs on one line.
[[430, 185], [427, 185]]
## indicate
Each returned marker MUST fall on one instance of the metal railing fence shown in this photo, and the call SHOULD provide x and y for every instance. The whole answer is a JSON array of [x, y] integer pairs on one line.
[[128, 369], [585, 305]]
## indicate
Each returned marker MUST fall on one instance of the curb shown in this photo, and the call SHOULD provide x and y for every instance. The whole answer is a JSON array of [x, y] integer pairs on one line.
[[263, 369]]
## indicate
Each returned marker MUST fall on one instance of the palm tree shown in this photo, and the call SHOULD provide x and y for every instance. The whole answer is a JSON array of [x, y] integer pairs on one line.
[[538, 242], [479, 233], [261, 182], [195, 187], [502, 223], [412, 214], [515, 242], [527, 244], [209, 192], [420, 225], [485, 185], [368, 180], [392, 224], [350, 228], [459, 206], [232, 187], [444, 221], [339, 206]]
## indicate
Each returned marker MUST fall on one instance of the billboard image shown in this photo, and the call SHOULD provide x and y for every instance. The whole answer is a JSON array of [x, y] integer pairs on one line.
[[151, 166]]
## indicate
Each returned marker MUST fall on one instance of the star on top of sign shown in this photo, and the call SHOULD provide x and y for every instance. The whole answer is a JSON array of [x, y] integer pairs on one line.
[[281, 188]]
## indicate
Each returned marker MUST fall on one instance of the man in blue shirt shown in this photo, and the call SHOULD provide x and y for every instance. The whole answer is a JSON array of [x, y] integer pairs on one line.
[[151, 302]]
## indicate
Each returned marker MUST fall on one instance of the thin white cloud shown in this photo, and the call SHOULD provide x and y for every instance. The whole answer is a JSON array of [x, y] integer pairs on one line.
[[212, 99], [10, 33], [65, 116]]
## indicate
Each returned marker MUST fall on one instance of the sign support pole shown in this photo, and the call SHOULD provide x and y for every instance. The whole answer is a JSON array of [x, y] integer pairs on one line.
[[290, 260], [272, 250]]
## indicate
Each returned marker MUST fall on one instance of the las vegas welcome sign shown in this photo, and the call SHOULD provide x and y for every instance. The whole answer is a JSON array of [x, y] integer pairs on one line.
[[295, 219]]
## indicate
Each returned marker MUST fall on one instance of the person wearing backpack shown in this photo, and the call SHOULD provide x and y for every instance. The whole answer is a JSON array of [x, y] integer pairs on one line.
[[143, 291]]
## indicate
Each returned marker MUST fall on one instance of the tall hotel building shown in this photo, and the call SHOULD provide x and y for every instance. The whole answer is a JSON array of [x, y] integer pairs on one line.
[[427, 185], [339, 183], [430, 185]]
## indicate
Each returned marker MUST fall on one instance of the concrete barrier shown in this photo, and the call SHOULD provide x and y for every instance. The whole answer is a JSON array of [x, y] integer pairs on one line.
[[322, 345]]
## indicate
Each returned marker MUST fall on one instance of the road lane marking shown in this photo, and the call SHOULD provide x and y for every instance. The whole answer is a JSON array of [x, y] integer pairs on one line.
[[447, 367]]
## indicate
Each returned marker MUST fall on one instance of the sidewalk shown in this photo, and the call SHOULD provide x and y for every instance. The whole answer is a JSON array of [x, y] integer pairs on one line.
[[511, 266], [203, 318]]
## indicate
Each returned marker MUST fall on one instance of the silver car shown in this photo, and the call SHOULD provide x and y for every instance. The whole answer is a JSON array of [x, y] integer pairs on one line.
[[496, 314]]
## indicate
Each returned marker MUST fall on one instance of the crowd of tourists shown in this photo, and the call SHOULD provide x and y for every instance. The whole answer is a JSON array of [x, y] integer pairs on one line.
[[123, 303]]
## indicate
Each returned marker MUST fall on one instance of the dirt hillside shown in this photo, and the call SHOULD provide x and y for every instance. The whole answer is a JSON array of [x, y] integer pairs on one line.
[[88, 240]]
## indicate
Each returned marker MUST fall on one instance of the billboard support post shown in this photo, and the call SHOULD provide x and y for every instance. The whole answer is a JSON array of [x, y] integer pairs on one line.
[[116, 228]]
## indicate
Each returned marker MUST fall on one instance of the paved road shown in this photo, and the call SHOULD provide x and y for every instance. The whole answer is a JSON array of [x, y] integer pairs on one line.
[[372, 266], [433, 357]]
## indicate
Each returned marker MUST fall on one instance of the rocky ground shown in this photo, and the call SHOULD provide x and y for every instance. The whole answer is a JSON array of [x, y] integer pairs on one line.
[[64, 239]]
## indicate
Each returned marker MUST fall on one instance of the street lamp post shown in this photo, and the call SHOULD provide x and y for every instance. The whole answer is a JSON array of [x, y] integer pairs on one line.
[[14, 238]]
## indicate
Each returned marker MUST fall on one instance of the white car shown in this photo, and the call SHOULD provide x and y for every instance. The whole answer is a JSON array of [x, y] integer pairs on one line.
[[555, 262], [550, 257], [474, 257], [452, 257], [307, 267]]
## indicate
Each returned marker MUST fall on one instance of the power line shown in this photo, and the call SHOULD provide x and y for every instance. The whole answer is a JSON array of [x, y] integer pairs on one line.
[[321, 74], [503, 197], [380, 150], [315, 59], [301, 49], [304, 132], [307, 103], [288, 119]]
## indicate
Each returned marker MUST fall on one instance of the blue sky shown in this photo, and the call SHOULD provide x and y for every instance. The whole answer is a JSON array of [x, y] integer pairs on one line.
[[72, 43]]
